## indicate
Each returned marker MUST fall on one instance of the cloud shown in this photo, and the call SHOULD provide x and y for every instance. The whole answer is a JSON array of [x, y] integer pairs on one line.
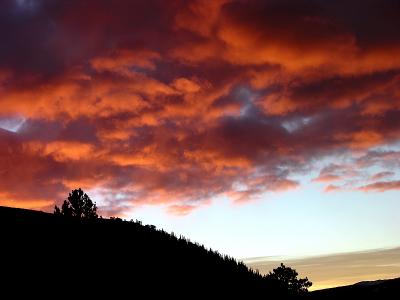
[[333, 172], [176, 104], [123, 60], [180, 210], [332, 188], [381, 186], [326, 178], [382, 175], [385, 158]]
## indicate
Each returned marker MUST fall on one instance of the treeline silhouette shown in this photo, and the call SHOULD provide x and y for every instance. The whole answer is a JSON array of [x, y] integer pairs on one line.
[[116, 257]]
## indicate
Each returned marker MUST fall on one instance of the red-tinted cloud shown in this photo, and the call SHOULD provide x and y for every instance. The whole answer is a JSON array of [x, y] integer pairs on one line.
[[181, 210], [332, 188], [176, 103], [382, 186]]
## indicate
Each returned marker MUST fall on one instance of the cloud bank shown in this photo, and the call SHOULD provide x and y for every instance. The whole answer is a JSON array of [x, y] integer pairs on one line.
[[177, 103]]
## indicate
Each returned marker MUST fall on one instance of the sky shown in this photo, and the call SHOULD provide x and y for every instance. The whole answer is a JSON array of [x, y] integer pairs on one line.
[[258, 128], [339, 269]]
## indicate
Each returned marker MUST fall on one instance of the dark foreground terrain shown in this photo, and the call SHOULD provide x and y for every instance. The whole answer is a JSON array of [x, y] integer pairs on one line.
[[380, 289], [117, 258], [43, 254]]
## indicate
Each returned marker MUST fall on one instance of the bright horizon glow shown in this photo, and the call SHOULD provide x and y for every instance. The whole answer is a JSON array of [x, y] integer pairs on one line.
[[339, 269]]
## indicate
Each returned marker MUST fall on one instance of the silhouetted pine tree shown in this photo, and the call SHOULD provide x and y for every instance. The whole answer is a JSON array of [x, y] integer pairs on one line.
[[78, 205]]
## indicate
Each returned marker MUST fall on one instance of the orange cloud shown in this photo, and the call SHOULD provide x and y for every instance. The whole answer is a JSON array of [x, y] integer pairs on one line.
[[180, 210], [185, 85], [8, 199], [381, 186], [326, 178], [199, 16], [381, 175], [123, 59], [332, 188], [63, 151], [361, 139], [176, 104]]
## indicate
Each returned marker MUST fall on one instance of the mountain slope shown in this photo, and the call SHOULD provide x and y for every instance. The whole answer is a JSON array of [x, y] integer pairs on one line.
[[379, 289], [115, 256]]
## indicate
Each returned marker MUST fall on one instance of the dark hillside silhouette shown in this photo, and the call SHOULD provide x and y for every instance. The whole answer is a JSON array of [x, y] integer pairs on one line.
[[371, 290], [119, 256], [116, 257]]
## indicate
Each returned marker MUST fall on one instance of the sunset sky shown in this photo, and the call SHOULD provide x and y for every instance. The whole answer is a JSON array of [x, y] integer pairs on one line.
[[259, 128]]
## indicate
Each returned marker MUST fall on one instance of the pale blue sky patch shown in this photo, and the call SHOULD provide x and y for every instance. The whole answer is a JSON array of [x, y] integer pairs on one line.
[[12, 124]]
